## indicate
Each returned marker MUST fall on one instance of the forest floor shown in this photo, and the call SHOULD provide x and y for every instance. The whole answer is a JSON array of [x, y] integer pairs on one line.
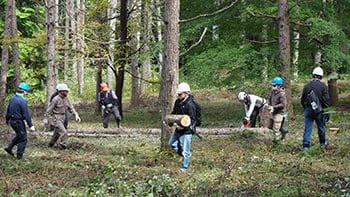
[[131, 163]]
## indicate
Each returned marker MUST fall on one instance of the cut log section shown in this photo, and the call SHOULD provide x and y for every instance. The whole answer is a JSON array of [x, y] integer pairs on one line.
[[181, 120]]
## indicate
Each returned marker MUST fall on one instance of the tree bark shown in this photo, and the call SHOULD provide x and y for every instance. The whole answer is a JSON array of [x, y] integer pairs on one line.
[[333, 91], [5, 57], [170, 70], [284, 47], [122, 53], [51, 47]]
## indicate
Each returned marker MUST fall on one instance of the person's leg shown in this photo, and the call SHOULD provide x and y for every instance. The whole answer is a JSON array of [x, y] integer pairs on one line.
[[321, 128], [117, 116], [106, 119], [174, 142], [16, 126], [22, 141], [66, 118], [308, 122], [277, 121], [253, 117], [185, 141], [62, 132]]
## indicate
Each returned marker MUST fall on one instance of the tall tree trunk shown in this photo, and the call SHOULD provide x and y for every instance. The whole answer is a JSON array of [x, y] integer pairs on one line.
[[67, 38], [284, 47], [159, 36], [80, 43], [170, 70], [112, 14], [5, 57], [122, 53], [74, 38], [146, 37], [135, 45], [51, 47], [15, 48], [296, 34]]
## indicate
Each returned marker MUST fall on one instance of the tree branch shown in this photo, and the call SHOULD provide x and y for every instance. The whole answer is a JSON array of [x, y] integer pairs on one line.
[[197, 43], [210, 14]]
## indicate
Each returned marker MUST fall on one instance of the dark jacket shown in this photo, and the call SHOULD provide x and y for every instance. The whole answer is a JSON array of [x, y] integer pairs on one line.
[[187, 107], [108, 97], [18, 110], [321, 91], [278, 101]]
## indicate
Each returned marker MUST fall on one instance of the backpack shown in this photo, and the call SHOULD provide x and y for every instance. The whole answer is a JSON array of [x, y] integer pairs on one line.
[[198, 113], [314, 102]]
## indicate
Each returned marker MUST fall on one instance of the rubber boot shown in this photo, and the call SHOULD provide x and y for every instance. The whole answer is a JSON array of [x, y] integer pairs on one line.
[[283, 130]]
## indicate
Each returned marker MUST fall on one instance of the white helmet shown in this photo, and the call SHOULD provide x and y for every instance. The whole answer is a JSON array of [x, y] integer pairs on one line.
[[183, 87], [241, 96], [318, 71], [62, 87]]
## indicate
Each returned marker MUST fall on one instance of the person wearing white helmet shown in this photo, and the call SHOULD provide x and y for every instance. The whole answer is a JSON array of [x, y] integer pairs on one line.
[[253, 105], [66, 116], [18, 112], [59, 105], [320, 90], [180, 140]]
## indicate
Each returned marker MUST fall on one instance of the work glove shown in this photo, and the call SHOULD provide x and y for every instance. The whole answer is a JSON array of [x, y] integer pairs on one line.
[[77, 118], [270, 109], [32, 128], [103, 107], [110, 105], [45, 121]]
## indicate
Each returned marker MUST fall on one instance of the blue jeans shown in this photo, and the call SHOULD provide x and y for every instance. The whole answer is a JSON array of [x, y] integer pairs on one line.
[[310, 117], [181, 143]]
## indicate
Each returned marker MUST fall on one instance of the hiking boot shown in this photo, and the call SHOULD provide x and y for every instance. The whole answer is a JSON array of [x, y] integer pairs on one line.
[[9, 151], [21, 158]]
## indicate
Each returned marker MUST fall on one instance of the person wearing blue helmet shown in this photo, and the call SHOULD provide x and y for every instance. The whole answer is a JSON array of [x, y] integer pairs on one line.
[[18, 112], [278, 106]]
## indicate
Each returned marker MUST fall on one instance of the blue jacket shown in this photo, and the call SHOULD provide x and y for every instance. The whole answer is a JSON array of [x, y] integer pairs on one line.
[[18, 109]]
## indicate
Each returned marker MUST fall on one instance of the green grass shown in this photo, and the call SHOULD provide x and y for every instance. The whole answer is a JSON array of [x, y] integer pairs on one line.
[[240, 164]]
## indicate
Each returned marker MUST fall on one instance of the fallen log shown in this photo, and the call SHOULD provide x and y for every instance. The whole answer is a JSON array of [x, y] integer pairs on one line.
[[105, 132]]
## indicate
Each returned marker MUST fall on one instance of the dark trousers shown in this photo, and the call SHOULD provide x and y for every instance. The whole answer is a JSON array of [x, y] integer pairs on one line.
[[21, 136], [107, 112]]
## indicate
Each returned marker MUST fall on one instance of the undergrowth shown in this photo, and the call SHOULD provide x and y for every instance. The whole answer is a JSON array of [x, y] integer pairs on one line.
[[240, 164]]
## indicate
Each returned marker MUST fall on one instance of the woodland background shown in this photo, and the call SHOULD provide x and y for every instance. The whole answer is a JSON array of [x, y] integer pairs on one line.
[[143, 49]]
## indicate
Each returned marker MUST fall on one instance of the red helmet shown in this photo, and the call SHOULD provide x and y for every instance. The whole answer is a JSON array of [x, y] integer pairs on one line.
[[103, 87]]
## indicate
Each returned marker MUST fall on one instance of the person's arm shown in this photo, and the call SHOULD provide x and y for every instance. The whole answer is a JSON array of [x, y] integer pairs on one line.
[[72, 110], [251, 106], [26, 114]]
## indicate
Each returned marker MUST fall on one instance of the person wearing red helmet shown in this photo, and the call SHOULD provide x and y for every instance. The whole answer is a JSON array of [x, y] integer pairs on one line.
[[109, 104]]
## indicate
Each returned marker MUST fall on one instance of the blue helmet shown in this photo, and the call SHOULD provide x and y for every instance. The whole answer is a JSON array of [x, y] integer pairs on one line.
[[24, 86], [277, 81]]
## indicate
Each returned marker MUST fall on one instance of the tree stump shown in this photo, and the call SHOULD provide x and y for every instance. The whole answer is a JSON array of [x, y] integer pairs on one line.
[[264, 117]]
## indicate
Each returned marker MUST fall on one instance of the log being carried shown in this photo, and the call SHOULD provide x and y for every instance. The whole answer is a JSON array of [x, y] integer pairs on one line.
[[179, 120]]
